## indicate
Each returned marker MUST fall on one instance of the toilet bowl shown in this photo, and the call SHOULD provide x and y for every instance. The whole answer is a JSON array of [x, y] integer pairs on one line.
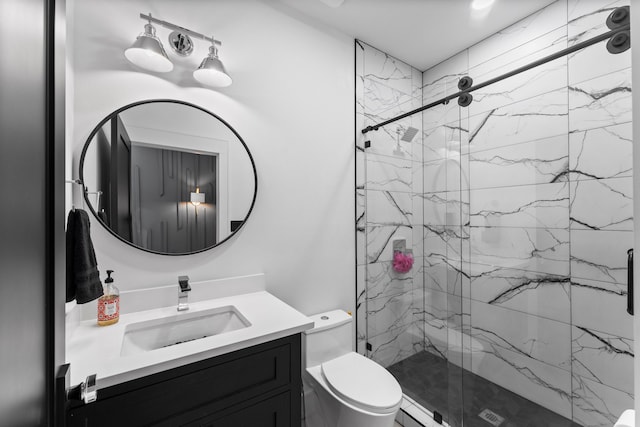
[[343, 388]]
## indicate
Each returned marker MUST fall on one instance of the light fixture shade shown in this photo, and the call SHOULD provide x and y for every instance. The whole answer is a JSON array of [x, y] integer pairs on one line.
[[147, 52], [197, 197], [211, 71]]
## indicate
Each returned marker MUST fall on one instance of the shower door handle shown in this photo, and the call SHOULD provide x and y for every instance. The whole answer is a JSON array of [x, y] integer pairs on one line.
[[630, 281]]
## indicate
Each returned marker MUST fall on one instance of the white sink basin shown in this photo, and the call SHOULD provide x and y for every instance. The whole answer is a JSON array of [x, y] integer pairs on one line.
[[187, 326]]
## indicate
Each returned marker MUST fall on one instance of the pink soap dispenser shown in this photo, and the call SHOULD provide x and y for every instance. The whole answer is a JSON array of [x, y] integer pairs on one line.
[[109, 303]]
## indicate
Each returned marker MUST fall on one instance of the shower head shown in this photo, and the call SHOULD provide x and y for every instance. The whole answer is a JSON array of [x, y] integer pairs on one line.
[[409, 134]]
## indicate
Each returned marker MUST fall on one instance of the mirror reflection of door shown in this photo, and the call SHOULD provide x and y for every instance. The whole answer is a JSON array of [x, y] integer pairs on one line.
[[164, 217], [119, 189], [102, 173]]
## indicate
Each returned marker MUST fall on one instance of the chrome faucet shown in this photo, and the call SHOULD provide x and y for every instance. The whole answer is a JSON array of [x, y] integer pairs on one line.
[[183, 293]]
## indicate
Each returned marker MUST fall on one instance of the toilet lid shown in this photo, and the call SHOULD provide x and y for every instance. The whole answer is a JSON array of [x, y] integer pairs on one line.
[[362, 382]]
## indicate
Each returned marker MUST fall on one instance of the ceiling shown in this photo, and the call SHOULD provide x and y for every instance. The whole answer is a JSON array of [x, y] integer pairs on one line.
[[421, 33]]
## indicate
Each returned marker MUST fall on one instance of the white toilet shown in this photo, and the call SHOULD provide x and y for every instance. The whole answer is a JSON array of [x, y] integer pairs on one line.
[[343, 388]]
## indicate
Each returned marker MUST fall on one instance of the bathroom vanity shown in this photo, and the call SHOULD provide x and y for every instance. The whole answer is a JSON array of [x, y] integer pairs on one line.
[[229, 360], [256, 386]]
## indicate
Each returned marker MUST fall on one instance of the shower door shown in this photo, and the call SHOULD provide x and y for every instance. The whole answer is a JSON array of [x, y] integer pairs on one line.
[[547, 189], [514, 307], [446, 246], [414, 321]]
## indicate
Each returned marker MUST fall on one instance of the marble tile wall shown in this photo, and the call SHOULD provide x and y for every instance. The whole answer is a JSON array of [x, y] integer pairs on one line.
[[518, 209], [528, 215], [390, 313]]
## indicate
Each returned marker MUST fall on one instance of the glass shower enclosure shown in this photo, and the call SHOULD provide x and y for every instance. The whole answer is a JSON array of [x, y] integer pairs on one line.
[[517, 210]]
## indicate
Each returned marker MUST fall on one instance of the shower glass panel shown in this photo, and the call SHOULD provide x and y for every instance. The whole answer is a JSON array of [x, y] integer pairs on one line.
[[430, 365]]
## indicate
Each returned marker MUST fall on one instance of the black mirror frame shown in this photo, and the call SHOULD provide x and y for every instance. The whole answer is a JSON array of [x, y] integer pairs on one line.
[[175, 101]]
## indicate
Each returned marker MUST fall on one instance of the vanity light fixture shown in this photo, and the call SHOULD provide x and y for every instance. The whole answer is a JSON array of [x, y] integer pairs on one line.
[[211, 71], [197, 197], [147, 52]]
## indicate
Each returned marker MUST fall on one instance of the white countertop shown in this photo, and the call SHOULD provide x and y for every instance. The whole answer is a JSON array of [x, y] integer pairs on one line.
[[93, 349]]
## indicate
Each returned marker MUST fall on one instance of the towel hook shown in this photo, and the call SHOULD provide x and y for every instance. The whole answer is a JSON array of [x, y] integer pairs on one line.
[[76, 182]]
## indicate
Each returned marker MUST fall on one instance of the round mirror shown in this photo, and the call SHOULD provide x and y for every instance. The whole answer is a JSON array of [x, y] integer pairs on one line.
[[168, 177]]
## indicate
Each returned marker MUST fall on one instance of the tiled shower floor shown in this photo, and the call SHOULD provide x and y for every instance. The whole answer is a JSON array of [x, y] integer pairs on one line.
[[437, 384]]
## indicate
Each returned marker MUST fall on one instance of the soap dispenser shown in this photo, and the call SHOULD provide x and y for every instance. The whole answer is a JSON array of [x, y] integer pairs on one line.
[[109, 303]]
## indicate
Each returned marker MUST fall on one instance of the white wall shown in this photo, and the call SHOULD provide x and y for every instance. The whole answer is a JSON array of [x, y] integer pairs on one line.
[[292, 101]]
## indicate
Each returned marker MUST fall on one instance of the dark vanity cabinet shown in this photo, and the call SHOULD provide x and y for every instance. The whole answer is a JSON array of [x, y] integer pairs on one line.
[[259, 386]]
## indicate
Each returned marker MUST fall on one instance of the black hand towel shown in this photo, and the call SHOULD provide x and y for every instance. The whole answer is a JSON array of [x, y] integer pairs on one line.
[[83, 278]]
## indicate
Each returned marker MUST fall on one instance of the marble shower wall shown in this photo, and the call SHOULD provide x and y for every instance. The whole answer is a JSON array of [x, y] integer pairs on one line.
[[528, 215], [389, 207]]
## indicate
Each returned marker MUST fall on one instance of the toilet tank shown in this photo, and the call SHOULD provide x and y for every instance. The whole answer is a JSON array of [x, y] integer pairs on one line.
[[330, 337]]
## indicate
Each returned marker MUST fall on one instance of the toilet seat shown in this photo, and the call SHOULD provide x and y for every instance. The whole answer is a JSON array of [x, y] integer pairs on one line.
[[362, 382]]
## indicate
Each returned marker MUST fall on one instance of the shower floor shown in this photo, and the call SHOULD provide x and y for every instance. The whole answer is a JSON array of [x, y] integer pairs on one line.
[[436, 384]]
